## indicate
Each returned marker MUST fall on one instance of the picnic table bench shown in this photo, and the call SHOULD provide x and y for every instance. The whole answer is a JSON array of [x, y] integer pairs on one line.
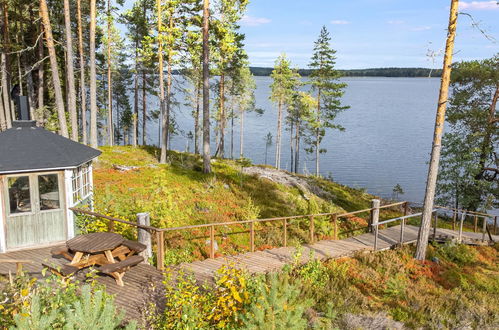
[[102, 250]]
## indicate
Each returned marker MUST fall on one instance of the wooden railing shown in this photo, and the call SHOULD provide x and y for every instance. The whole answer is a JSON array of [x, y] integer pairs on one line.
[[158, 234]]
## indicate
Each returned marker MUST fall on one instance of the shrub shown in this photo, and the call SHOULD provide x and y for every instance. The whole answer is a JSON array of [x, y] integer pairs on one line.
[[275, 304], [457, 253]]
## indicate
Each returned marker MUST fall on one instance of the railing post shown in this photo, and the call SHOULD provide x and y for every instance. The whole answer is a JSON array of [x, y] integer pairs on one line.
[[454, 217], [484, 229], [312, 229], [143, 236], [160, 250], [460, 237], [435, 224], [110, 226], [285, 225], [252, 236], [406, 208], [375, 220], [475, 224], [212, 242], [495, 225], [334, 219], [402, 228]]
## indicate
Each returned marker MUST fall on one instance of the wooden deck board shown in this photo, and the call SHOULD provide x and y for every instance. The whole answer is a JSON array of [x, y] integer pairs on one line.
[[132, 296]]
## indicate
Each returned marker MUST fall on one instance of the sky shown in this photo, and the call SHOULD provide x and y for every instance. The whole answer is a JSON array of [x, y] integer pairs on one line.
[[368, 33]]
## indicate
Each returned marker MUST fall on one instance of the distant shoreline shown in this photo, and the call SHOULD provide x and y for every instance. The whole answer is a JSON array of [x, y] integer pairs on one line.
[[372, 72]]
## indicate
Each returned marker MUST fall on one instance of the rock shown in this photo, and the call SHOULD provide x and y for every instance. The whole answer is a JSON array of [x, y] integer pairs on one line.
[[123, 168]]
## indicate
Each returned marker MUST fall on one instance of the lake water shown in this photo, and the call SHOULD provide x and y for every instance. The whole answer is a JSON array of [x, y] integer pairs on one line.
[[387, 137]]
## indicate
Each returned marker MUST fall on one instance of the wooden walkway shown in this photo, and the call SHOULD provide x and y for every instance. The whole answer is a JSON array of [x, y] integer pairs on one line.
[[132, 297], [274, 259]]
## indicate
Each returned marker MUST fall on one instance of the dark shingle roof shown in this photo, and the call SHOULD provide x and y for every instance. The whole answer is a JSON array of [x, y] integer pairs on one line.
[[26, 147]]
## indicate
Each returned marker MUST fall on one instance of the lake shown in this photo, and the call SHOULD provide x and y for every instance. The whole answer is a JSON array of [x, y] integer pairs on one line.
[[387, 137]]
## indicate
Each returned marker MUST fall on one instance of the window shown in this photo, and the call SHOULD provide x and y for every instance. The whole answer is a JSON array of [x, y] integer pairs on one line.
[[81, 182], [19, 194], [48, 188]]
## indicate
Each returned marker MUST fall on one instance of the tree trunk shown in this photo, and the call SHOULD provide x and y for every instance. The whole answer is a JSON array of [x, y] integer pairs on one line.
[[41, 72], [197, 126], [168, 101], [61, 113], [431, 181], [164, 132], [135, 125], [317, 133], [278, 138], [232, 135], [144, 107], [291, 147], [297, 147], [83, 90], [4, 60], [241, 135], [93, 78], [206, 89], [222, 115], [70, 73], [110, 128], [5, 92]]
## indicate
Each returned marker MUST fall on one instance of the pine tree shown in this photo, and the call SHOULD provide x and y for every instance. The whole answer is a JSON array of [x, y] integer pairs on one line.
[[325, 82], [285, 82]]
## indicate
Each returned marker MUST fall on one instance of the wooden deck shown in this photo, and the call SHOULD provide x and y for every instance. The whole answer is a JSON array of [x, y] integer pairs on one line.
[[133, 296]]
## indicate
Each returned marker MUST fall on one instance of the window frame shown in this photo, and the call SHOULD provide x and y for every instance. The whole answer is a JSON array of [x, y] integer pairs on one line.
[[81, 183]]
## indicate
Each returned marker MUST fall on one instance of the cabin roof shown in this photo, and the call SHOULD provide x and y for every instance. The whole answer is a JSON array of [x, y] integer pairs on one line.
[[25, 148]]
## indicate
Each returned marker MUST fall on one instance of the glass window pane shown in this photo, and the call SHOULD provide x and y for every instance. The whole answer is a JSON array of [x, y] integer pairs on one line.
[[48, 187], [19, 195]]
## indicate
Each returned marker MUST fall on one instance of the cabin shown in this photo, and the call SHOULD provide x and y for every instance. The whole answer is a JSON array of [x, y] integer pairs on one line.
[[42, 175]]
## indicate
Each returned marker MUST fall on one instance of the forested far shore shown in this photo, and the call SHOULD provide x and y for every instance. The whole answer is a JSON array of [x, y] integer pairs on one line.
[[371, 72]]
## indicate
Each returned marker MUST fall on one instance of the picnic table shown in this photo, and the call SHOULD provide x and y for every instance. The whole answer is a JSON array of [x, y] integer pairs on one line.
[[112, 253]]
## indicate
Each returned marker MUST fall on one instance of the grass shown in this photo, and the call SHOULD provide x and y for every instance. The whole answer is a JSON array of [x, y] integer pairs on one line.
[[179, 194]]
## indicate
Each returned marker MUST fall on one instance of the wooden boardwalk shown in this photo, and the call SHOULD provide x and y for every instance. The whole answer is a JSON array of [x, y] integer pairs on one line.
[[274, 259], [132, 296]]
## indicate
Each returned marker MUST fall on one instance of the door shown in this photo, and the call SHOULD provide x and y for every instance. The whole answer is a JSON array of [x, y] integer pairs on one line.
[[35, 209]]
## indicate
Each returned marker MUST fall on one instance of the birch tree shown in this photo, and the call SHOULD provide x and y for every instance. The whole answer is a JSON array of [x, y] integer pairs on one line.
[[83, 88]]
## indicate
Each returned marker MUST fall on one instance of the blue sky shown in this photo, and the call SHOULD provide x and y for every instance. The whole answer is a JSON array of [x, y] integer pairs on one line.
[[367, 33]]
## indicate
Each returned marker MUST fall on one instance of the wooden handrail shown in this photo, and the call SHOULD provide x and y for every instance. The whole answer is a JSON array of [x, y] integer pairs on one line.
[[98, 215]]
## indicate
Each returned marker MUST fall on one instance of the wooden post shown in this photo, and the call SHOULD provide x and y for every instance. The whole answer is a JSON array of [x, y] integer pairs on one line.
[[252, 236], [312, 229], [460, 237], [454, 217], [285, 224], [110, 226], [144, 236], [402, 228], [406, 208], [160, 250], [334, 218], [375, 219], [495, 225], [212, 242], [475, 223], [435, 224], [484, 228]]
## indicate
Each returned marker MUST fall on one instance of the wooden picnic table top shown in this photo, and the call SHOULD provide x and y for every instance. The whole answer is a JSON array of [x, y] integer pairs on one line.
[[95, 242]]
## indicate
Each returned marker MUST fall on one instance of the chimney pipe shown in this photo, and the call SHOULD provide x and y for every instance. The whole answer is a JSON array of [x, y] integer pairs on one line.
[[22, 104]]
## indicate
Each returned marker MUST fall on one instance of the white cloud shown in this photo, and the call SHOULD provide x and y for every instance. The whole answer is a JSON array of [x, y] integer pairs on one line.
[[340, 22], [254, 21], [396, 21], [421, 28], [479, 5]]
